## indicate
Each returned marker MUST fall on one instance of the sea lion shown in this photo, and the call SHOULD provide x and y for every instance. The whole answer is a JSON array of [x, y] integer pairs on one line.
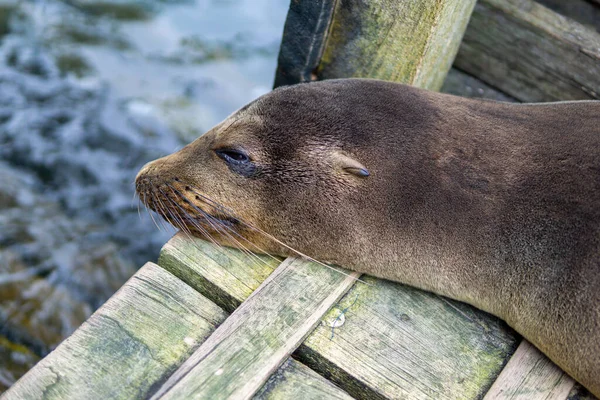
[[493, 204]]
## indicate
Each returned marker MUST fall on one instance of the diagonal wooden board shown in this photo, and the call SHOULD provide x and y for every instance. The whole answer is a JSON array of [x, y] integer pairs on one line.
[[137, 339], [529, 375], [530, 52], [240, 356]]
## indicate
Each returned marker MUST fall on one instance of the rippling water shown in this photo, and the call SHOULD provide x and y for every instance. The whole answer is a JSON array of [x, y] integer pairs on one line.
[[89, 92]]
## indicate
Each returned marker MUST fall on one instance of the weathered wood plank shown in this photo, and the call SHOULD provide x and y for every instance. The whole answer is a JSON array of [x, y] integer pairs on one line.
[[293, 380], [240, 356], [304, 35], [398, 341], [529, 375], [136, 339], [585, 12], [531, 52], [405, 41], [227, 275], [459, 83]]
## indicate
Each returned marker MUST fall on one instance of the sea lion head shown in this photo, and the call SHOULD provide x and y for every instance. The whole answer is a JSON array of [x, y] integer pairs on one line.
[[306, 164], [291, 164]]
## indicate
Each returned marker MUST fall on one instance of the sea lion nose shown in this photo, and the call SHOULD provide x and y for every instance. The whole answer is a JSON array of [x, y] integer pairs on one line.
[[144, 178]]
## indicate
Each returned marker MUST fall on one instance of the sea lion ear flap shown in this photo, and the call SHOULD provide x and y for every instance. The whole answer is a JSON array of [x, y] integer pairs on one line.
[[350, 165]]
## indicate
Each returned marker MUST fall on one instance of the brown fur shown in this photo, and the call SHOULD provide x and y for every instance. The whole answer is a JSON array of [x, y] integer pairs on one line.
[[494, 204]]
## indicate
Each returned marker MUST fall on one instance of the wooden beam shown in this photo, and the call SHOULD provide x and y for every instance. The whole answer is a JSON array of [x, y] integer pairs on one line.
[[240, 356], [305, 32], [136, 339], [583, 11], [529, 375], [201, 265], [459, 83], [531, 52], [412, 42]]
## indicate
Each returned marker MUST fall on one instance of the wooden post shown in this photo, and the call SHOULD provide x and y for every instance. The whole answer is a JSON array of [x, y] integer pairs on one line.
[[412, 42]]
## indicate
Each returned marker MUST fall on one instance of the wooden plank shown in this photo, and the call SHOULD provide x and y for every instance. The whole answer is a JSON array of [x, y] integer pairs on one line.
[[136, 339], [529, 375], [365, 39], [227, 275], [240, 356], [459, 83], [293, 380], [304, 36], [531, 52], [585, 12], [398, 341]]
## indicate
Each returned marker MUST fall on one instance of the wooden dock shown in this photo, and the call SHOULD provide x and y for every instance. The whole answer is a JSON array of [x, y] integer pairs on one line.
[[208, 322]]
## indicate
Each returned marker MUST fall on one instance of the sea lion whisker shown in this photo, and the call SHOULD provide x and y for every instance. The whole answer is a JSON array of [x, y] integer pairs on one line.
[[186, 231], [138, 208], [163, 211], [211, 218], [150, 212], [219, 227], [277, 240], [168, 213], [307, 257], [207, 234]]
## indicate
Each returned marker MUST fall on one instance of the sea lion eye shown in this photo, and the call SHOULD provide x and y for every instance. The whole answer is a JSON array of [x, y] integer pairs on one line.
[[233, 156], [239, 162]]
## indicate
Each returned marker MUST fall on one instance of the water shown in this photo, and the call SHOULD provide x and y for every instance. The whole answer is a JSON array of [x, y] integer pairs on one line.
[[89, 92]]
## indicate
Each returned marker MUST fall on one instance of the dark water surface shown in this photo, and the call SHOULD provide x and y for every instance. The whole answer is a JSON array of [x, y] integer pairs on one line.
[[89, 92]]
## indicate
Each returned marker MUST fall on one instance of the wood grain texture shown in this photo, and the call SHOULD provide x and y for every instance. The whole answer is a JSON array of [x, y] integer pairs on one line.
[[529, 375], [240, 356], [293, 380], [531, 52], [398, 341], [459, 83], [226, 275], [303, 41], [136, 339], [412, 42], [583, 11]]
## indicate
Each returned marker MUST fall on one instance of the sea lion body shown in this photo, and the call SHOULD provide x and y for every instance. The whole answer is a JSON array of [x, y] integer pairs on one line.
[[493, 204]]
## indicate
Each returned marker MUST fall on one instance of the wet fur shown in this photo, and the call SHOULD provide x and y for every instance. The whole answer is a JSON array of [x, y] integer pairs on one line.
[[494, 204]]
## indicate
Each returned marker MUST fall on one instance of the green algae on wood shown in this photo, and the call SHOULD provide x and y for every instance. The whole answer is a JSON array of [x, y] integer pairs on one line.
[[240, 356], [137, 338], [395, 340], [412, 42], [401, 342]]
